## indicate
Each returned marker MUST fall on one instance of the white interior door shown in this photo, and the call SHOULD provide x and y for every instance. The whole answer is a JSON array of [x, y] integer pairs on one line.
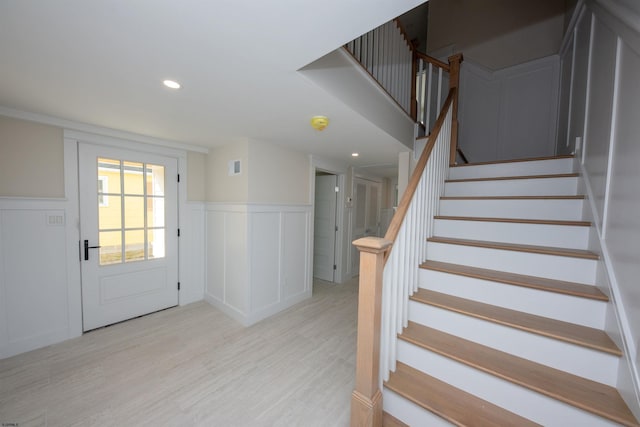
[[324, 227], [128, 223], [366, 215]]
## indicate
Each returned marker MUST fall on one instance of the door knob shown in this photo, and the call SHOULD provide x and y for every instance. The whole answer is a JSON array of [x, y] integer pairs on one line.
[[86, 249]]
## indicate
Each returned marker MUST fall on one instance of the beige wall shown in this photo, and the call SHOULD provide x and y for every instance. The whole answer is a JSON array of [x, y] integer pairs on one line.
[[220, 187], [496, 33], [31, 159], [277, 175], [196, 176]]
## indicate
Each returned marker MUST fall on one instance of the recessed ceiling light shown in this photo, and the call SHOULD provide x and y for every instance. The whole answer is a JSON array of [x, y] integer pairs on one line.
[[354, 154], [172, 84]]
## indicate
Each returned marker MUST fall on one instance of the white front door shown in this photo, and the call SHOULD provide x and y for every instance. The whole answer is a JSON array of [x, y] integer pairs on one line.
[[324, 227], [128, 229]]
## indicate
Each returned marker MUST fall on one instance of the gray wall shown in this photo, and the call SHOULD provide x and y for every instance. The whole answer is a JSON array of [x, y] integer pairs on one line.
[[496, 33], [511, 113]]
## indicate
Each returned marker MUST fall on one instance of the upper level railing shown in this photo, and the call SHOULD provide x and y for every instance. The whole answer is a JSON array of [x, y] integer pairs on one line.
[[417, 82], [387, 55]]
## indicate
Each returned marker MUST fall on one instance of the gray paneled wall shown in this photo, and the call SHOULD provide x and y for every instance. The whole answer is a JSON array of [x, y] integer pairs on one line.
[[510, 113]]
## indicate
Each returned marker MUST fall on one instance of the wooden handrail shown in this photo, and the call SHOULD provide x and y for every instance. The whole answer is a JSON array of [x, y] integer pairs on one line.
[[403, 32], [377, 82], [462, 156], [431, 59], [403, 206]]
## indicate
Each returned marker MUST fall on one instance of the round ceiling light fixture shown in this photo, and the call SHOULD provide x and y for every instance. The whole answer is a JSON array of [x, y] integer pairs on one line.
[[319, 122], [172, 84]]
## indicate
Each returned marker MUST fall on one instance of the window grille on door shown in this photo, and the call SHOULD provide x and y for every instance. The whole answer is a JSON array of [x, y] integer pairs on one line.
[[131, 211]]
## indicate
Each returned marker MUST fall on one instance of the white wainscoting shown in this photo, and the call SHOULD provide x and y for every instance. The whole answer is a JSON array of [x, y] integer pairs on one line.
[[35, 309], [509, 113], [603, 115], [258, 258]]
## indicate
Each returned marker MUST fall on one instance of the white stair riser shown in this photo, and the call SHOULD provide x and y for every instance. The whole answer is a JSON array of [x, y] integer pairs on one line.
[[554, 209], [539, 167], [549, 266], [514, 187], [592, 364], [567, 308], [524, 402], [408, 412], [559, 236]]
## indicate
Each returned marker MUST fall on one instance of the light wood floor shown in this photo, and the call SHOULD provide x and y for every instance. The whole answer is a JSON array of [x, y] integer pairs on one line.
[[193, 366]]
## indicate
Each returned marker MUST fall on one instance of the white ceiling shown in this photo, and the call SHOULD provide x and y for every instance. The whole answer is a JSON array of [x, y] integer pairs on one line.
[[102, 63]]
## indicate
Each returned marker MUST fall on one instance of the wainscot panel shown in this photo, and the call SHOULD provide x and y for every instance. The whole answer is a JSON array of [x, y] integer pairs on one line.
[[258, 258]]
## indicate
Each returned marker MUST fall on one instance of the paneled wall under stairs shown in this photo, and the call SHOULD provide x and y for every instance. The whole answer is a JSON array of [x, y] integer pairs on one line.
[[258, 258]]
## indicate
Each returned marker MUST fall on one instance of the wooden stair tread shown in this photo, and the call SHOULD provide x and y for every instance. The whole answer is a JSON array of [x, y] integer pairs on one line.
[[529, 159], [514, 220], [389, 420], [568, 332], [517, 177], [588, 395], [545, 250], [454, 405], [578, 197], [541, 283]]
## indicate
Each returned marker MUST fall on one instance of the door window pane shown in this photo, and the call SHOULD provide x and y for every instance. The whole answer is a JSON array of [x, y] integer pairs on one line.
[[155, 212], [109, 173], [110, 247], [133, 245], [134, 212], [137, 214], [133, 178], [156, 243], [110, 214], [155, 180]]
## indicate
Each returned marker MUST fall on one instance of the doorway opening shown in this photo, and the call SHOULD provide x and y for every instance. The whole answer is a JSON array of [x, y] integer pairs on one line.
[[325, 226], [366, 215]]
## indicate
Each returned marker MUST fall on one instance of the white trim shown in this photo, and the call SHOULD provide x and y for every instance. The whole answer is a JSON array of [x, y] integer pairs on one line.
[[585, 136], [628, 16], [575, 17], [256, 207], [127, 143], [98, 130], [74, 287], [340, 274], [612, 138], [626, 337], [571, 87]]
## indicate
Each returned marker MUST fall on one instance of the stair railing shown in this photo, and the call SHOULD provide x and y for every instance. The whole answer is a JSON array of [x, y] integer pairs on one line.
[[415, 81], [387, 55], [389, 271]]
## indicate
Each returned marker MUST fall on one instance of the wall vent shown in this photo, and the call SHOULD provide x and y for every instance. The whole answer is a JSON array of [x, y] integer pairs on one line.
[[234, 167]]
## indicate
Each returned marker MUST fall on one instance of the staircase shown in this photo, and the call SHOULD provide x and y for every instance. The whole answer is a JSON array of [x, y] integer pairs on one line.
[[506, 327]]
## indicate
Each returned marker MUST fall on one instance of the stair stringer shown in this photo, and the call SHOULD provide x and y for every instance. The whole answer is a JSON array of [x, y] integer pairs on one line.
[[616, 320]]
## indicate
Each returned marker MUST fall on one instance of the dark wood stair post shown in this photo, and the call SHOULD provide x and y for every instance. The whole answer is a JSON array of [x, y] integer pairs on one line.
[[454, 82], [366, 399]]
